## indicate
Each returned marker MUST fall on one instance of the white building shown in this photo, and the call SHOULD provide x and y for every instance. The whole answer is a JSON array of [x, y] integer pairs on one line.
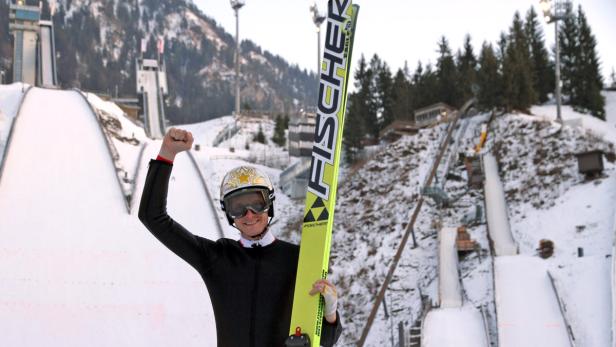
[[433, 114]]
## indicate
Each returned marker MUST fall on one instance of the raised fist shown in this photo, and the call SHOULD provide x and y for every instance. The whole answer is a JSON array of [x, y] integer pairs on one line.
[[174, 142]]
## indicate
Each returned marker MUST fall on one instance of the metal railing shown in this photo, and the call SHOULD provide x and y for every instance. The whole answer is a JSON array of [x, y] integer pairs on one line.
[[563, 311], [486, 327], [613, 287], [227, 132]]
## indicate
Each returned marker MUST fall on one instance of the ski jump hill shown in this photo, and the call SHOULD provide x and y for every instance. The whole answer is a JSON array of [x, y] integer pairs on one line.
[[527, 305], [77, 269]]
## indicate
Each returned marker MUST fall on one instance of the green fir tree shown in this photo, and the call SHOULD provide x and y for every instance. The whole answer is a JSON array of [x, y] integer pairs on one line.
[[402, 97], [568, 36], [279, 137], [517, 75], [260, 136], [447, 75], [542, 74], [489, 79], [589, 92], [359, 105], [426, 86], [384, 95], [467, 68]]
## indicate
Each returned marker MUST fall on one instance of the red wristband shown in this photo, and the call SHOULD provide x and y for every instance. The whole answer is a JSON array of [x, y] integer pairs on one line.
[[164, 160]]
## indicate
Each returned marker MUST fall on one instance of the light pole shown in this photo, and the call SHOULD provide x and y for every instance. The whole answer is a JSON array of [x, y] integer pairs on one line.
[[236, 5], [553, 13], [317, 18]]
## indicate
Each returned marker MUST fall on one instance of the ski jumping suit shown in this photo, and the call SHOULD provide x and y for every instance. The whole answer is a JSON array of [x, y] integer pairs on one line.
[[251, 289]]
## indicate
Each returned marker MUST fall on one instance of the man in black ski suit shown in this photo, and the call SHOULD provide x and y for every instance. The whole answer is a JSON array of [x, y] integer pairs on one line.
[[251, 281]]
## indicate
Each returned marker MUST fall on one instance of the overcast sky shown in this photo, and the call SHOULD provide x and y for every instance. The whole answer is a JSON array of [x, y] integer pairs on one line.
[[400, 30]]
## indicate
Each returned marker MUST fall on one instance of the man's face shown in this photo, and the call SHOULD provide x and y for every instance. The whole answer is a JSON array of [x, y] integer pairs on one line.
[[249, 212], [252, 224]]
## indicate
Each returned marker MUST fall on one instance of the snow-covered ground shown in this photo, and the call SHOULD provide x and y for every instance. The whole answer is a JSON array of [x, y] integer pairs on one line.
[[373, 210], [459, 327], [528, 310], [549, 199], [539, 172], [603, 129], [127, 141], [242, 145], [77, 269], [10, 98]]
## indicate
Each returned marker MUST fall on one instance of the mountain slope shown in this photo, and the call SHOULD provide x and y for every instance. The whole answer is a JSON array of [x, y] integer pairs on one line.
[[97, 42]]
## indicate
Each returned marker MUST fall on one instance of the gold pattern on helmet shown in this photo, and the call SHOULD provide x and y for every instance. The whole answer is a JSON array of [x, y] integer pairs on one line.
[[244, 177]]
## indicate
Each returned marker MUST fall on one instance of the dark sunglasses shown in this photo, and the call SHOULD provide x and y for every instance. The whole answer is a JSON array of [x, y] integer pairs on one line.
[[237, 205], [241, 211]]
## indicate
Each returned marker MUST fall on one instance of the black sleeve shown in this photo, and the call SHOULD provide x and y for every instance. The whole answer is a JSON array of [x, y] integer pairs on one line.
[[331, 332], [153, 214]]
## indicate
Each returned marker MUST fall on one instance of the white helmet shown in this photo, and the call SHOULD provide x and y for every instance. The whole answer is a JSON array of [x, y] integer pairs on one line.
[[245, 178]]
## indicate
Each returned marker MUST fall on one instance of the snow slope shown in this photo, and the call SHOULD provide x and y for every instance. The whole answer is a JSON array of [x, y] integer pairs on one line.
[[10, 98], [548, 199], [528, 311], [603, 129], [126, 139], [496, 209], [76, 269], [186, 195], [454, 327], [450, 292]]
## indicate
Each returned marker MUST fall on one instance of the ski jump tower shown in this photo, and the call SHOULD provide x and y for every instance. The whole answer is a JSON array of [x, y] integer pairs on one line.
[[47, 73], [34, 52], [152, 87]]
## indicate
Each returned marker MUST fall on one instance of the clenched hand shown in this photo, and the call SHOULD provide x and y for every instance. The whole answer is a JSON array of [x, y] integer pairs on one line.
[[174, 142]]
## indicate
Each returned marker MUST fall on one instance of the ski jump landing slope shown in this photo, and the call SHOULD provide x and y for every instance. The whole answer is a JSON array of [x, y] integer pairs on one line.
[[454, 327], [527, 307], [153, 104], [76, 269], [452, 324], [450, 291], [496, 209]]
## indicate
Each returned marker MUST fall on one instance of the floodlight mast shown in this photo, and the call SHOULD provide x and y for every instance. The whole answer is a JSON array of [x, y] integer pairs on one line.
[[318, 18], [554, 11], [236, 5]]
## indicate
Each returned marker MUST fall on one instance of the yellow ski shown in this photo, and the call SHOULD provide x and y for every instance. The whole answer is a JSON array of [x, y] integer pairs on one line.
[[322, 183]]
